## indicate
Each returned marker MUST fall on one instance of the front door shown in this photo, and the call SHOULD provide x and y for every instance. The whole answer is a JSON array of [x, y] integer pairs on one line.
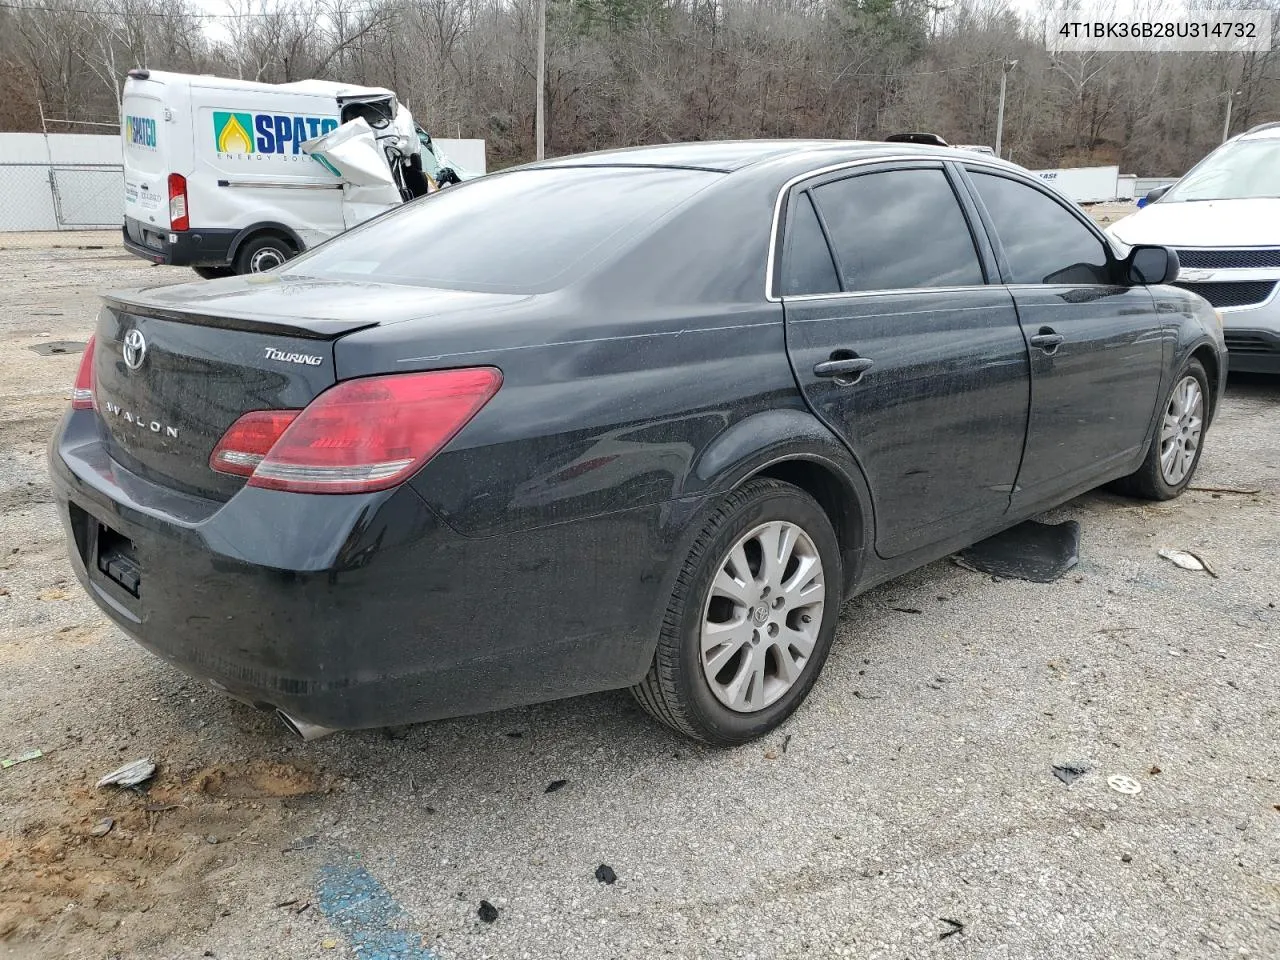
[[904, 351], [1097, 345]]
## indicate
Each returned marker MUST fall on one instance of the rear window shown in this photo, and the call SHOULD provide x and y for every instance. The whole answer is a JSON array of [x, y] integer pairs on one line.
[[521, 232]]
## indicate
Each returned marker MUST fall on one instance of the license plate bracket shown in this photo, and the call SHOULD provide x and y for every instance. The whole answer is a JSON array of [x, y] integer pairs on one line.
[[117, 560]]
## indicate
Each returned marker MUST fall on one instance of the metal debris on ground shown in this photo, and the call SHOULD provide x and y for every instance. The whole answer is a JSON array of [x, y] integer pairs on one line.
[[1039, 552], [956, 927], [1245, 491], [605, 874], [102, 827], [21, 758], [130, 775], [1126, 785], [303, 843], [1187, 561], [1068, 773], [487, 912]]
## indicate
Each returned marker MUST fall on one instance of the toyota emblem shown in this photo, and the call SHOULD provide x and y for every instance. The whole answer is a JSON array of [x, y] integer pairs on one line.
[[135, 349]]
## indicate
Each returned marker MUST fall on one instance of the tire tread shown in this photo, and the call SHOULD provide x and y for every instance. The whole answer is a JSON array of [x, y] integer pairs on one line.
[[658, 692], [1147, 482]]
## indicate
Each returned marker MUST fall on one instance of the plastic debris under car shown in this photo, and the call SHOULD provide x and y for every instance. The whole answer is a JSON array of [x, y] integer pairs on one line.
[[1040, 552]]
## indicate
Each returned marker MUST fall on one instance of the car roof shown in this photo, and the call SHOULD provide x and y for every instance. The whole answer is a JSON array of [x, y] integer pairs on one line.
[[727, 156], [1263, 131]]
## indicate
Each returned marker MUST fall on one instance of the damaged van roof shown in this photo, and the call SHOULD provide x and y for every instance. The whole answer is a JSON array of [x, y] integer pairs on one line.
[[315, 87]]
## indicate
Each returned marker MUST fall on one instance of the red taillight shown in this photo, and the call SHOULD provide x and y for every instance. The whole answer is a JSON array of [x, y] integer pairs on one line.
[[82, 392], [368, 434], [178, 218], [250, 439]]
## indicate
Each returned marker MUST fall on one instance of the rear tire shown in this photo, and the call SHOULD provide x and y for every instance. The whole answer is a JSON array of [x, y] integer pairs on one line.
[[744, 639], [1178, 442], [262, 253]]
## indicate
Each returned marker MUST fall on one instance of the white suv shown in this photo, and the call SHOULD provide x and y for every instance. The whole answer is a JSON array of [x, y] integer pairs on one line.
[[1223, 218]]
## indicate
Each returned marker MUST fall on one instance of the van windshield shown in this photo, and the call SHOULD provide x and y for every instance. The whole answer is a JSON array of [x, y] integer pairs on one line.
[[1243, 170], [526, 231]]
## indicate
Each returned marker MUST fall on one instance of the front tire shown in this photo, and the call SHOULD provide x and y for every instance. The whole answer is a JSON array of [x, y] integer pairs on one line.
[[1175, 450], [751, 617]]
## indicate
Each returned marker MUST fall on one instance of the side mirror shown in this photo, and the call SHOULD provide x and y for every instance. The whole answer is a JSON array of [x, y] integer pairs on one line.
[[1157, 193], [1150, 265]]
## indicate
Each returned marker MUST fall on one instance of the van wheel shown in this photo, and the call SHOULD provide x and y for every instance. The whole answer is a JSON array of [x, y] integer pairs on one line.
[[260, 254], [212, 273]]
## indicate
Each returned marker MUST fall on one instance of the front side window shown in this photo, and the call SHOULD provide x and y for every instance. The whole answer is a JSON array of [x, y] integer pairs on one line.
[[1042, 241], [898, 229]]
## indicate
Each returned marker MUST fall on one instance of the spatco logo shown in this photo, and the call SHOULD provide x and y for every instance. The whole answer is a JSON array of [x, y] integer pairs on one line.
[[135, 349]]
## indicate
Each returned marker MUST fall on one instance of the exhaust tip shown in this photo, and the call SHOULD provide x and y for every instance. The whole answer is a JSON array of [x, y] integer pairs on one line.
[[307, 731]]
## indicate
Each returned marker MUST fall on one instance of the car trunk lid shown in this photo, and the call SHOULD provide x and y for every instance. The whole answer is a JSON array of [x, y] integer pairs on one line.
[[169, 384]]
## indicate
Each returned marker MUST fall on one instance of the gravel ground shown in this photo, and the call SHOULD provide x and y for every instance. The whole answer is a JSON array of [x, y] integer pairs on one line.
[[915, 785]]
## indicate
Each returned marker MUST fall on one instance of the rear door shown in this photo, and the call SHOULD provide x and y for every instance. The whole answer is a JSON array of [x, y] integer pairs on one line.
[[148, 143], [902, 348], [1096, 344]]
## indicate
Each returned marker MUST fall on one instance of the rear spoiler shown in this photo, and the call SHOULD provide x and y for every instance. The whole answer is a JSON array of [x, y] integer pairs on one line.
[[312, 328]]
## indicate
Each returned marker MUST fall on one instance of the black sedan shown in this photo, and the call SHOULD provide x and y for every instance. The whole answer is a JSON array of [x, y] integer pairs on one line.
[[634, 419]]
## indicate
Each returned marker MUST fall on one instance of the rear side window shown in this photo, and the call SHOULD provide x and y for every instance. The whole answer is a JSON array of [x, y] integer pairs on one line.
[[521, 232], [807, 266], [897, 230], [1042, 241]]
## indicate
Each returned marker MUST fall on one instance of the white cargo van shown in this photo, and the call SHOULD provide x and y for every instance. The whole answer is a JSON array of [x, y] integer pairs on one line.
[[215, 175]]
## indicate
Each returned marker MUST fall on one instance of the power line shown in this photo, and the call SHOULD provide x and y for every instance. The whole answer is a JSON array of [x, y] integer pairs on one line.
[[163, 15]]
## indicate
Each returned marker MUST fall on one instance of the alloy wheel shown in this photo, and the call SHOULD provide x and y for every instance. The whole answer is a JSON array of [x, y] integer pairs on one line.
[[1180, 431], [762, 616]]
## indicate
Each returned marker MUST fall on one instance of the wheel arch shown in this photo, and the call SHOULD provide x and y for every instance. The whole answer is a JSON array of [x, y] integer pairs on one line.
[[1208, 358], [264, 228], [792, 446]]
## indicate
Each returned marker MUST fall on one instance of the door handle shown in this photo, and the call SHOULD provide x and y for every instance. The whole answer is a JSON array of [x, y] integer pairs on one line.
[[849, 370], [1047, 340]]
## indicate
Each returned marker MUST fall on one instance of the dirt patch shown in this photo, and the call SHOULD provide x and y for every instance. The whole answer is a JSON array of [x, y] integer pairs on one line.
[[101, 858], [257, 781]]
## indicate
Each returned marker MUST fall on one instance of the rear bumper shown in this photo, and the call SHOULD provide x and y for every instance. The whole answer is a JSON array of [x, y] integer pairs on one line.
[[362, 611], [187, 248]]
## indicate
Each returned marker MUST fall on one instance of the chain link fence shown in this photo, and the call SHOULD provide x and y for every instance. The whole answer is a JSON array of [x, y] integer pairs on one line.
[[61, 196]]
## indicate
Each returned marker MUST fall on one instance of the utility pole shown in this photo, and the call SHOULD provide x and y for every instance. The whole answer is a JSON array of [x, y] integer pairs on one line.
[[1226, 123], [1005, 67], [542, 78]]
